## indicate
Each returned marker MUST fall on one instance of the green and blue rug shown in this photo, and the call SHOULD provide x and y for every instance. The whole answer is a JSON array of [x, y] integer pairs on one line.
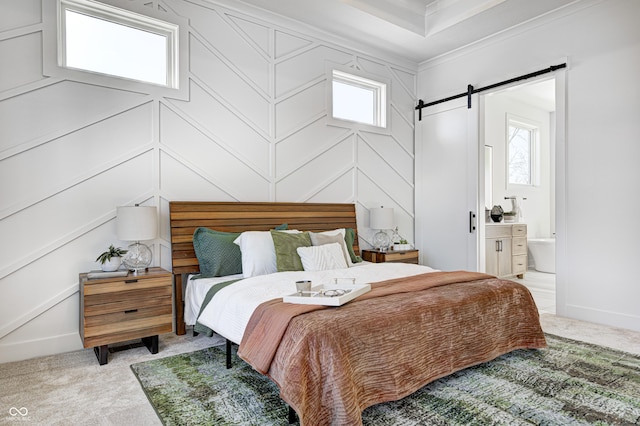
[[569, 383]]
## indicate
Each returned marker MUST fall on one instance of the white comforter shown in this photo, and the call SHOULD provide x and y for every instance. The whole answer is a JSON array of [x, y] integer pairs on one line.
[[231, 308]]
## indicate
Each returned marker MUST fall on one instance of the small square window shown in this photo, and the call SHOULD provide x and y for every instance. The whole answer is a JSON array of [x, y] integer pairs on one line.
[[358, 99]]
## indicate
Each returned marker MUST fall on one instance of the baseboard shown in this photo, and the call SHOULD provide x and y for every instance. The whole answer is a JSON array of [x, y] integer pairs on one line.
[[598, 316], [40, 347]]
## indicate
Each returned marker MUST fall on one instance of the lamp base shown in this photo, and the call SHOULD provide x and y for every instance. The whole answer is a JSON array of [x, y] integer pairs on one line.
[[381, 241], [138, 257]]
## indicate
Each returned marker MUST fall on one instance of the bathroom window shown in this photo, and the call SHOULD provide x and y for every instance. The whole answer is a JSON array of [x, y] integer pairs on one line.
[[521, 150], [357, 98]]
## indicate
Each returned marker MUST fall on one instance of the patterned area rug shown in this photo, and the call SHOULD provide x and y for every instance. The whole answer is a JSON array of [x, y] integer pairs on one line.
[[569, 383]]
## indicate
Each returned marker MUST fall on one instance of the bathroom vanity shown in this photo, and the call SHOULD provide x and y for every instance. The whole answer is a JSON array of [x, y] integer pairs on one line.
[[506, 249]]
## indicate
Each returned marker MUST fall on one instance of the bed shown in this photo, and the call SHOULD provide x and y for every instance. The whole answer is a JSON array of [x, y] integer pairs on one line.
[[414, 326]]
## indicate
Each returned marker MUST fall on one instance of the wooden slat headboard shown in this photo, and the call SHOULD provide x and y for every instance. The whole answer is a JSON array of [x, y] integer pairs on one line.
[[186, 216]]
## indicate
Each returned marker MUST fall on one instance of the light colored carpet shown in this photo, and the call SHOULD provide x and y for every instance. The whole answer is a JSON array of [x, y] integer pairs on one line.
[[71, 388]]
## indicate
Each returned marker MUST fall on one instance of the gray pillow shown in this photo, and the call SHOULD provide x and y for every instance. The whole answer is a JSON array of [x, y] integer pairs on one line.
[[217, 255], [287, 257]]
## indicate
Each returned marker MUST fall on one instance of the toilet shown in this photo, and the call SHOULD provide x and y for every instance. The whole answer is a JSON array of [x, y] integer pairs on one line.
[[543, 253]]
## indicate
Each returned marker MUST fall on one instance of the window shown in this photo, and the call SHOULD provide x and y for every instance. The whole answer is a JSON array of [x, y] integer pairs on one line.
[[358, 99], [108, 40], [521, 149], [135, 48]]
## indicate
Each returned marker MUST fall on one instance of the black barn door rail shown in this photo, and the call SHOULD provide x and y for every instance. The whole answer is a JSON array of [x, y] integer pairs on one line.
[[470, 90]]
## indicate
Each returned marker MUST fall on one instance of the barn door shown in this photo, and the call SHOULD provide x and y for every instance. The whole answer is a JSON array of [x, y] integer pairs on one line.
[[447, 152]]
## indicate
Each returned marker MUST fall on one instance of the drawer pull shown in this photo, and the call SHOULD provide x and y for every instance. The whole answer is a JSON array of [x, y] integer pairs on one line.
[[130, 311], [130, 281]]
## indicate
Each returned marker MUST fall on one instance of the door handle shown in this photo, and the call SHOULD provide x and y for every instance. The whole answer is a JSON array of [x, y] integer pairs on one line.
[[472, 222]]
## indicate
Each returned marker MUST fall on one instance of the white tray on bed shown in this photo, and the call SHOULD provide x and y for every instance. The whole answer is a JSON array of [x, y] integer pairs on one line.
[[316, 295]]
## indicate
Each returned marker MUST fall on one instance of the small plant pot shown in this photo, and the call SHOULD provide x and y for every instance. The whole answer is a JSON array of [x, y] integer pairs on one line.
[[111, 265]]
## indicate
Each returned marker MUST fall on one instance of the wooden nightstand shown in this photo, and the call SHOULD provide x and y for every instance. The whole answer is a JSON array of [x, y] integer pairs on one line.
[[377, 256], [125, 308]]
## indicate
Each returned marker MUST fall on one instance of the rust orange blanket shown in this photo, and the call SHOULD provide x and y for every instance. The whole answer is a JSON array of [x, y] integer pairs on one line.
[[333, 362]]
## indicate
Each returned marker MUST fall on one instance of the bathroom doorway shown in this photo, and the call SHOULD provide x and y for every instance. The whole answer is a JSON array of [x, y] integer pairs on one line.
[[519, 129]]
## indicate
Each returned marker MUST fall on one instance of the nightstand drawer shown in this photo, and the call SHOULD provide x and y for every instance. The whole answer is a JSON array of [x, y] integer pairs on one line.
[[377, 256], [402, 256], [126, 298], [131, 321], [124, 285], [126, 315], [131, 333], [131, 304]]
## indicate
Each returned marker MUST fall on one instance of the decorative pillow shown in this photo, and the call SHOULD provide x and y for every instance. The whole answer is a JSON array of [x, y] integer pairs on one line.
[[349, 238], [336, 232], [322, 257], [287, 258], [217, 255], [320, 239], [258, 253]]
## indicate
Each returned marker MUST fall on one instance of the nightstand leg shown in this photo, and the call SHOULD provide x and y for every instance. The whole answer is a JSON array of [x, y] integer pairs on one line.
[[101, 353], [151, 343]]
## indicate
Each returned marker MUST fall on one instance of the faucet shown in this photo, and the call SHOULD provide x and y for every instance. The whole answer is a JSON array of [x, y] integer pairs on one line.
[[515, 207]]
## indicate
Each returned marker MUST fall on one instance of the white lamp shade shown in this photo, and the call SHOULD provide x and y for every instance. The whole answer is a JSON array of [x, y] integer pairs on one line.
[[136, 223], [381, 218]]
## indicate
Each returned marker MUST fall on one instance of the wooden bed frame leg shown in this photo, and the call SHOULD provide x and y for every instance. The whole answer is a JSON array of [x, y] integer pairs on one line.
[[178, 303], [229, 365], [292, 416]]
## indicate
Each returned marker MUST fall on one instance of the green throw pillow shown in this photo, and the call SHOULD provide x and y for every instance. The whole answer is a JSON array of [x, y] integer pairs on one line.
[[349, 237], [217, 255], [287, 257]]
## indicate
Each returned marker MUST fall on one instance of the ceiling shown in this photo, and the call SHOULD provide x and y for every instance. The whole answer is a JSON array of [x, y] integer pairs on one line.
[[417, 30]]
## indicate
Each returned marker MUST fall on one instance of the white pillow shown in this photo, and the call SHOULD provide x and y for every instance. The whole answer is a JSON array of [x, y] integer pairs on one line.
[[258, 252], [321, 258], [341, 232]]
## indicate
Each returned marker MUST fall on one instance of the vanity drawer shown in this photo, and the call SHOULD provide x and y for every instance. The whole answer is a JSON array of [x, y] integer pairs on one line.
[[519, 265], [519, 246], [519, 230], [497, 231]]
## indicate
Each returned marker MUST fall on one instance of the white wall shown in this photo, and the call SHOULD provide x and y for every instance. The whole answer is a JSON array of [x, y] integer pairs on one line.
[[253, 129], [536, 209], [598, 251]]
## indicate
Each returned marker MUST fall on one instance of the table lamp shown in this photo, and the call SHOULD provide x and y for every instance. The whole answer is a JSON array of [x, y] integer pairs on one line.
[[137, 223], [381, 218]]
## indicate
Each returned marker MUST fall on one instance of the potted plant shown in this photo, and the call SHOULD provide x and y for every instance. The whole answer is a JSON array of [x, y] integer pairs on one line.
[[402, 245], [111, 259], [509, 216]]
